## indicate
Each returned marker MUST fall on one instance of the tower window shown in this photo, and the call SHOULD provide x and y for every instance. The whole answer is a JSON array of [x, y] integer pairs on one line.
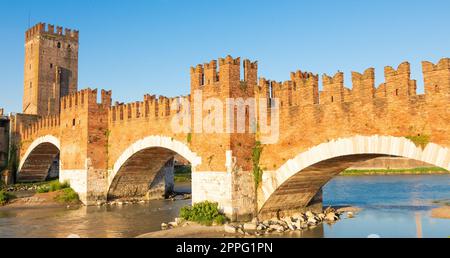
[[31, 85], [51, 65], [68, 46], [73, 122], [396, 92], [59, 45]]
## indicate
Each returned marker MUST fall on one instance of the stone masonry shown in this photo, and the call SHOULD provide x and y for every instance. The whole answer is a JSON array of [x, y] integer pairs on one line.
[[107, 150]]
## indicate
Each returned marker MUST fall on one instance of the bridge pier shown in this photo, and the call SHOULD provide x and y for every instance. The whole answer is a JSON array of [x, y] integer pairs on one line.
[[234, 191], [90, 184], [315, 205], [163, 184]]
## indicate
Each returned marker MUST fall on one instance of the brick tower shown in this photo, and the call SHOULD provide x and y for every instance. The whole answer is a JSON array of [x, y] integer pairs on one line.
[[51, 68]]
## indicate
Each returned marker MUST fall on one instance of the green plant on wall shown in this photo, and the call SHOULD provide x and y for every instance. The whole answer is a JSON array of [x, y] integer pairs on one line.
[[107, 145], [189, 138], [13, 161], [420, 140], [256, 157]]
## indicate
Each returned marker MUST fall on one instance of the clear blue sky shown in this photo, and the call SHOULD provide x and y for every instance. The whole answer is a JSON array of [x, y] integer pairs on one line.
[[137, 47]]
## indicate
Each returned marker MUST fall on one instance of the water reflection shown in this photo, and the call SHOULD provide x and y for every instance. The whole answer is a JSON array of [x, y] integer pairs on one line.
[[392, 207]]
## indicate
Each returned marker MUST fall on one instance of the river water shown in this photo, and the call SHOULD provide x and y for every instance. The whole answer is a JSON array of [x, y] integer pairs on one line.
[[392, 206]]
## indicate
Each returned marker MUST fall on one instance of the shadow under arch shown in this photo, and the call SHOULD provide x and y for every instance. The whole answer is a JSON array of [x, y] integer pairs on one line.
[[145, 164], [295, 184], [40, 161]]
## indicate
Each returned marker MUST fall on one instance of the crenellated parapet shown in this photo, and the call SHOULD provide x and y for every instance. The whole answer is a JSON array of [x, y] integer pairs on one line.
[[333, 89], [84, 98], [51, 30], [220, 77], [436, 77], [152, 107], [303, 87], [42, 125], [398, 82], [363, 85]]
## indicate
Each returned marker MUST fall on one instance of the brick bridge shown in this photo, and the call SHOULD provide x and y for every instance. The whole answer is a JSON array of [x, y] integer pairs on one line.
[[110, 151]]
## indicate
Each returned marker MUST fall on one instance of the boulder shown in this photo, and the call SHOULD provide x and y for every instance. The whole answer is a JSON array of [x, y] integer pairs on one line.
[[312, 220], [261, 227], [164, 226], [277, 227], [229, 229], [309, 214], [173, 224], [292, 226], [331, 217], [250, 226], [179, 220], [350, 215]]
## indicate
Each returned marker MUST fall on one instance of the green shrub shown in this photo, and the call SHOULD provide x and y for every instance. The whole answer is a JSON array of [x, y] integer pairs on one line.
[[205, 213], [419, 140], [67, 195], [5, 197], [53, 187]]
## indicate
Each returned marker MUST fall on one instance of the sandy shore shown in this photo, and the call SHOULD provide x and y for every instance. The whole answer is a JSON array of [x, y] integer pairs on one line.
[[192, 230], [41, 200], [441, 212]]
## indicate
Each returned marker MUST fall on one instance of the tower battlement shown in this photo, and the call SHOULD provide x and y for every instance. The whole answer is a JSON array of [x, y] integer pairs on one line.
[[42, 28]]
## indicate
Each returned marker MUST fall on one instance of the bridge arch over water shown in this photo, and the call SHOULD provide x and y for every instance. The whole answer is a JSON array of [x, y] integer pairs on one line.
[[143, 163], [39, 158], [295, 184]]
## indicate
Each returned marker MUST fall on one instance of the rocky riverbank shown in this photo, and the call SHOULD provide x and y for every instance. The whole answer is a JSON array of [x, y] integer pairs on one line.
[[255, 228]]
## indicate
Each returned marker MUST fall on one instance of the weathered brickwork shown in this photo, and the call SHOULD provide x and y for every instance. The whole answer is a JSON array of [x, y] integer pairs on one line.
[[51, 68], [113, 151]]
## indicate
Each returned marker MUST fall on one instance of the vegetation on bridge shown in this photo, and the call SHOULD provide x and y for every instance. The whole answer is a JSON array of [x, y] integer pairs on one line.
[[204, 213], [256, 157], [420, 140]]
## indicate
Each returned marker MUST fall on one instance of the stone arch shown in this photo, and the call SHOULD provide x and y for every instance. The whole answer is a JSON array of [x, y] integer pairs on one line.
[[140, 163], [38, 159], [296, 182]]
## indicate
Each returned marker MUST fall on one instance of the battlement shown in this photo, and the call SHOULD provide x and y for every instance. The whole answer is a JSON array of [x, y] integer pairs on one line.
[[443, 64], [228, 70], [42, 124], [369, 73], [402, 69], [303, 76], [42, 28], [302, 88], [85, 97], [338, 78], [436, 77], [151, 107], [228, 60]]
